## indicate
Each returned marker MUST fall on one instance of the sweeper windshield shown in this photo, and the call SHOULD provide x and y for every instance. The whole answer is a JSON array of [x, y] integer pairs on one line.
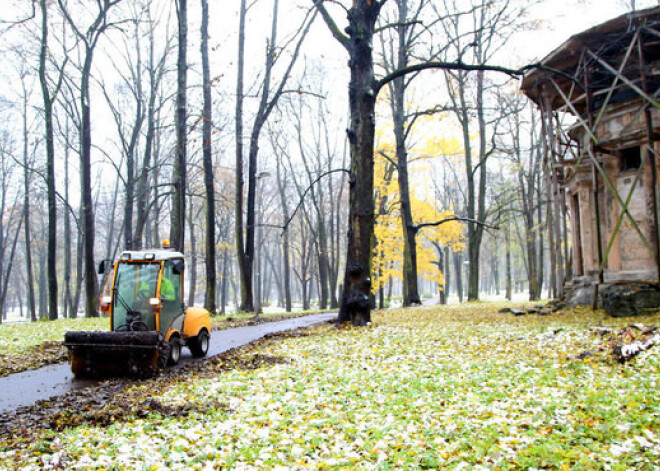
[[135, 285]]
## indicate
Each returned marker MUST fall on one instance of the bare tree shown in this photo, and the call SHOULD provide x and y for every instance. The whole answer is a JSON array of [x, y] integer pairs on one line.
[[475, 34], [27, 181], [49, 97], [211, 278], [89, 39], [10, 220], [178, 224], [527, 165], [155, 70], [268, 98]]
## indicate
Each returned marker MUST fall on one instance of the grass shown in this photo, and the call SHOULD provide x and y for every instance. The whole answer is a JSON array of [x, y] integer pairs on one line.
[[16, 338], [457, 387]]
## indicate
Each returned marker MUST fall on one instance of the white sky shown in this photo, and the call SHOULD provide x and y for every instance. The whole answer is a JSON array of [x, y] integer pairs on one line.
[[563, 18]]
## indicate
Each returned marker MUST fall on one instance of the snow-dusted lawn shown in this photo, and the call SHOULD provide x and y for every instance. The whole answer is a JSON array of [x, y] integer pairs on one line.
[[454, 387], [21, 336]]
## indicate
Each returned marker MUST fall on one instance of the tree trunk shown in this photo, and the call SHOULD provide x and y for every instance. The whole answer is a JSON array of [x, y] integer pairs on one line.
[[68, 299], [281, 186], [142, 197], [7, 272], [26, 218], [458, 268], [50, 167], [507, 243], [223, 286], [398, 89], [91, 281], [192, 268], [178, 227], [43, 290], [447, 276], [442, 295], [207, 157], [75, 307], [355, 306], [244, 268], [90, 40]]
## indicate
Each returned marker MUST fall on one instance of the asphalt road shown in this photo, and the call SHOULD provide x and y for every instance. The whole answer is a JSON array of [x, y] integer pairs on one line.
[[28, 387]]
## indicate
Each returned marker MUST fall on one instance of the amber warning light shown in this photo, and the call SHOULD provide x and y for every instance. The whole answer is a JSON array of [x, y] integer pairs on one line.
[[165, 243]]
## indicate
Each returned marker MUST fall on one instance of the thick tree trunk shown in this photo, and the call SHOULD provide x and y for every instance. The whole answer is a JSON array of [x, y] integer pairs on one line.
[[355, 305]]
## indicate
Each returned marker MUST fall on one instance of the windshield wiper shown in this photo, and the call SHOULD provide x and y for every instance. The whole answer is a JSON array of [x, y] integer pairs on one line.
[[124, 304]]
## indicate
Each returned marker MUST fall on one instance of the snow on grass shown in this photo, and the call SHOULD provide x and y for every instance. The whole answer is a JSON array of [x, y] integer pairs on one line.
[[460, 387], [19, 337]]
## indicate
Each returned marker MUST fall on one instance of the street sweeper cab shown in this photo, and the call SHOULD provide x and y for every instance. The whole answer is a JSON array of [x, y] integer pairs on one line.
[[149, 323]]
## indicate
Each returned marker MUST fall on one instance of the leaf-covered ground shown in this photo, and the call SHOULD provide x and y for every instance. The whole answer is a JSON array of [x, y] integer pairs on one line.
[[461, 387], [29, 345]]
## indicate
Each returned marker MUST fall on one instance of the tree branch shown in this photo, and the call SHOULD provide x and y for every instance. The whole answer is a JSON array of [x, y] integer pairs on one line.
[[332, 26], [394, 164], [445, 66], [302, 197], [417, 227], [459, 65]]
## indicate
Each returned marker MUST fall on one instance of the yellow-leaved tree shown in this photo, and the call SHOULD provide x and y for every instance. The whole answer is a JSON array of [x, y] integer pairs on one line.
[[389, 246]]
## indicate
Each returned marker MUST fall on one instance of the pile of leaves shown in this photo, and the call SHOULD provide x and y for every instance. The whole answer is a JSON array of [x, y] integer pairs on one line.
[[31, 358], [443, 387]]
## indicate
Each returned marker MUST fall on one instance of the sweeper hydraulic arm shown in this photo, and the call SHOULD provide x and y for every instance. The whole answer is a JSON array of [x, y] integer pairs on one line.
[[149, 324]]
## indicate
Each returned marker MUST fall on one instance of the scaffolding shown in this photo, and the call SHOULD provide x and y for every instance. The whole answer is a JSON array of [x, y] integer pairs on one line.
[[599, 97]]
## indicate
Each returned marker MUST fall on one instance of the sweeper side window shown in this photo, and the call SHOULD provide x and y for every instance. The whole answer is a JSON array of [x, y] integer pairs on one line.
[[135, 283], [170, 294]]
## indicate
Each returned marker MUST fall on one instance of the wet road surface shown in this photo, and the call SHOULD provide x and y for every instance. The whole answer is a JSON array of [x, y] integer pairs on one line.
[[28, 387]]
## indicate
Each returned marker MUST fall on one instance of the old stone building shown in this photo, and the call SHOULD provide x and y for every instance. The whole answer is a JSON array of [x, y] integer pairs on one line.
[[599, 94]]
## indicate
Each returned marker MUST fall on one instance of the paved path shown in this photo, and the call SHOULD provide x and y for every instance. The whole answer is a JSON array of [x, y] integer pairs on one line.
[[28, 387]]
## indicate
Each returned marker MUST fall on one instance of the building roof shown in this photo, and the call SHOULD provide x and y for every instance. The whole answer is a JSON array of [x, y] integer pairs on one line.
[[609, 40]]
